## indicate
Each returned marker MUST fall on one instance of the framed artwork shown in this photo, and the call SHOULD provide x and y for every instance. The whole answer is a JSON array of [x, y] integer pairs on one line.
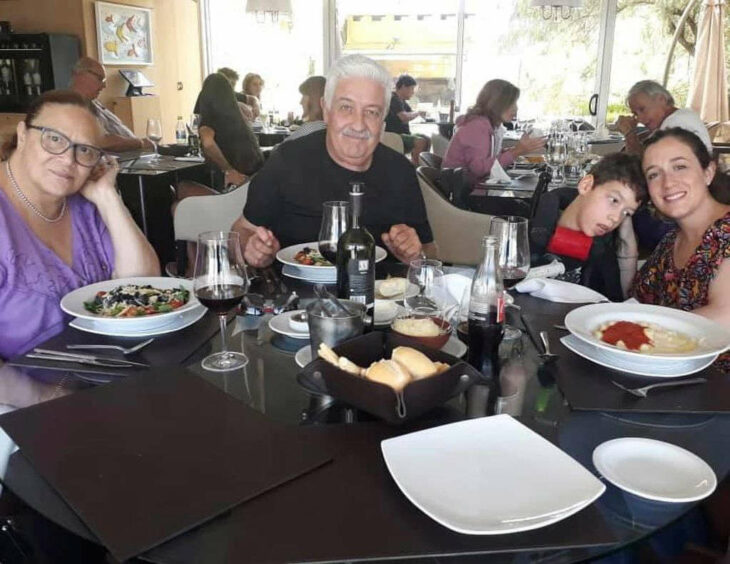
[[124, 34]]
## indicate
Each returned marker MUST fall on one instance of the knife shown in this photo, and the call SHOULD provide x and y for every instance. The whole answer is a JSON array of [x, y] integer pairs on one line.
[[85, 358]]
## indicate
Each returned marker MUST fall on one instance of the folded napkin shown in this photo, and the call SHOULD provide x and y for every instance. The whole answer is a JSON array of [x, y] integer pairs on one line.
[[559, 291], [497, 175]]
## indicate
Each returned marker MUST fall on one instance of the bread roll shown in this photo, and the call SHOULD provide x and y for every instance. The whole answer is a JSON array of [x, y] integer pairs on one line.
[[328, 354], [348, 366], [388, 372], [392, 287], [415, 362], [441, 367]]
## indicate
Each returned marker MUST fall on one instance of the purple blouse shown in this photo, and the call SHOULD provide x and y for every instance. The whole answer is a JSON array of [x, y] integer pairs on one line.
[[33, 278]]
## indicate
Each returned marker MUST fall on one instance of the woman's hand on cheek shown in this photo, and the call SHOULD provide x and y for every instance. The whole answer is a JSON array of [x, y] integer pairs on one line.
[[102, 181]]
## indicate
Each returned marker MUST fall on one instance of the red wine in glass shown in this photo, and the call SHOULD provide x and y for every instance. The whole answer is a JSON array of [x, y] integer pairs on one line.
[[329, 251], [220, 299], [512, 276]]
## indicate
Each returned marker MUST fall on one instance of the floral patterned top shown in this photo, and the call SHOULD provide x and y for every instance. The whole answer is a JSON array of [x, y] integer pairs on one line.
[[660, 282]]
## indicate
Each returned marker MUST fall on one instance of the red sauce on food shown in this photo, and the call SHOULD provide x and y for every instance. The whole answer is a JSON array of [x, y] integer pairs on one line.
[[632, 334]]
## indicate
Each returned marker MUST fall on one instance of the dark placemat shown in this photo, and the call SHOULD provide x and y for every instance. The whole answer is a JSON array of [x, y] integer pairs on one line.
[[178, 347], [587, 386], [350, 509], [146, 458]]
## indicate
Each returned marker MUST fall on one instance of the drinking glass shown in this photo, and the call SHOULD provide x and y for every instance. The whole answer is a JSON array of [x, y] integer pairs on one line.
[[513, 254], [194, 123], [334, 223], [154, 134], [428, 275], [220, 282]]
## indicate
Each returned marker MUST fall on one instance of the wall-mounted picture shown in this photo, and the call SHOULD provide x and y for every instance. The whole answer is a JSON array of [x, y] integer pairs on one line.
[[124, 34]]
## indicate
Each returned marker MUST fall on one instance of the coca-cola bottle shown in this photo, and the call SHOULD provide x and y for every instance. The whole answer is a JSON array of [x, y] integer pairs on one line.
[[486, 327]]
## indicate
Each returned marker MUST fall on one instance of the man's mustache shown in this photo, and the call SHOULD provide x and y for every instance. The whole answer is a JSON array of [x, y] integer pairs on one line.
[[350, 132]]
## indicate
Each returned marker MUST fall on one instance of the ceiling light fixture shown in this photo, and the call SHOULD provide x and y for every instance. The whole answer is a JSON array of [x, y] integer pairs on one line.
[[557, 9]]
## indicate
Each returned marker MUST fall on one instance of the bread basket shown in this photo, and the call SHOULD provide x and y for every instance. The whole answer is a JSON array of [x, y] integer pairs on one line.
[[417, 398]]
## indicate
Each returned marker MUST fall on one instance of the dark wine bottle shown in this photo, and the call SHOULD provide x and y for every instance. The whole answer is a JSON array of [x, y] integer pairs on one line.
[[356, 259], [486, 319]]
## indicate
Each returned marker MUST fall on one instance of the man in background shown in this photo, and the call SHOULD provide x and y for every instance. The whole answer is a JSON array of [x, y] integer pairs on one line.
[[88, 78]]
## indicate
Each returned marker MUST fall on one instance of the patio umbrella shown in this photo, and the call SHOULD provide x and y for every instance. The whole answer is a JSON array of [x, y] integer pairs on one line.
[[708, 93]]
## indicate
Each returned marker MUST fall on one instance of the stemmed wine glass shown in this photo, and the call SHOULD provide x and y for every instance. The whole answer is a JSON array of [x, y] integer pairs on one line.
[[556, 156], [220, 281], [513, 254], [334, 224], [154, 134], [428, 275]]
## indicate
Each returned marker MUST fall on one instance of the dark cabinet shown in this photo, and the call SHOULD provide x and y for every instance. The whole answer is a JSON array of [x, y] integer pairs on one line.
[[33, 63]]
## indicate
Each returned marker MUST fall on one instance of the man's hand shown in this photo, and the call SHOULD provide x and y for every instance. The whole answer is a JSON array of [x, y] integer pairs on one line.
[[261, 248], [233, 177], [403, 242], [626, 123]]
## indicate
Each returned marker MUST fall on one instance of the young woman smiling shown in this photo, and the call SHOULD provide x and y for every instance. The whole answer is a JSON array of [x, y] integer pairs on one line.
[[690, 268]]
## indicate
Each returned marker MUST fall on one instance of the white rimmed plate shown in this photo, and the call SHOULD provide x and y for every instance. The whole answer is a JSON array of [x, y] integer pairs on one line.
[[712, 337], [489, 476], [280, 324], [654, 469], [184, 320], [286, 256], [648, 366], [73, 303], [453, 347], [328, 277]]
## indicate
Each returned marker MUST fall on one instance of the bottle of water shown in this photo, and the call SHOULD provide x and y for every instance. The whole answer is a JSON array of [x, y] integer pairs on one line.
[[181, 132]]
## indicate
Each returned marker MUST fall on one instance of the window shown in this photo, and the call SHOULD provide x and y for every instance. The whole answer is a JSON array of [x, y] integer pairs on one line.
[[284, 52]]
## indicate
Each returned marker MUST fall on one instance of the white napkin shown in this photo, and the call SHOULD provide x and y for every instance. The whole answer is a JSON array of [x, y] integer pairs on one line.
[[497, 175], [456, 284], [559, 291]]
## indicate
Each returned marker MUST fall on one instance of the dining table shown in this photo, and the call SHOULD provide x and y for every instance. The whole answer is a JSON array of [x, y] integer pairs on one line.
[[351, 510]]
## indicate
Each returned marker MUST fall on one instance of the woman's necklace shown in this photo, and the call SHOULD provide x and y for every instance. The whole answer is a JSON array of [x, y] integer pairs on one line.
[[28, 203]]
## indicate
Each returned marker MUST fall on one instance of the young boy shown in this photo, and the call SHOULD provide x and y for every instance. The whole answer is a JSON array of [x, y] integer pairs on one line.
[[578, 226]]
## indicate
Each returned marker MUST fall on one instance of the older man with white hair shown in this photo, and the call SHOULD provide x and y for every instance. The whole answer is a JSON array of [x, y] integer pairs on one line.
[[284, 205], [653, 106]]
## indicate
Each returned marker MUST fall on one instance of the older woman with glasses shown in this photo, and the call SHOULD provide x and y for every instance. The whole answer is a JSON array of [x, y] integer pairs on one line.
[[62, 222]]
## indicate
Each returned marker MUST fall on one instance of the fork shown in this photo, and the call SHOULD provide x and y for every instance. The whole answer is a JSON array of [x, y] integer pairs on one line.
[[124, 350], [642, 392], [547, 355]]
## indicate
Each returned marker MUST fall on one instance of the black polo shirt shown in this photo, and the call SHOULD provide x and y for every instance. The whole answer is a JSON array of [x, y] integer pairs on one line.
[[286, 195], [392, 121]]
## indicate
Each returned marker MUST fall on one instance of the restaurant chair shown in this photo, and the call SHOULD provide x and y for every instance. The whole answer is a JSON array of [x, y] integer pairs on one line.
[[197, 214], [457, 233], [430, 159], [393, 140], [439, 144], [543, 181]]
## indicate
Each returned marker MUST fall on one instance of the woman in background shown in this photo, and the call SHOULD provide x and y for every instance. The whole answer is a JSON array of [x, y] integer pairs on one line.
[[477, 140], [225, 137]]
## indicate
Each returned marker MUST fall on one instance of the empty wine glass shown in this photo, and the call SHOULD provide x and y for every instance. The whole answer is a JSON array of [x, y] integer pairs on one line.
[[513, 254], [154, 134], [334, 224], [194, 123], [556, 154], [220, 283], [428, 275]]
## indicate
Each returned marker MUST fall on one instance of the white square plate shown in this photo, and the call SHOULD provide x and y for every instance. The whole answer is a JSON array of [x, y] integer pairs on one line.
[[489, 476]]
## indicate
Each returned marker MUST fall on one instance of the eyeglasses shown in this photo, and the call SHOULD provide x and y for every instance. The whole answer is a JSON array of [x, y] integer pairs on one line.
[[100, 77], [57, 143]]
